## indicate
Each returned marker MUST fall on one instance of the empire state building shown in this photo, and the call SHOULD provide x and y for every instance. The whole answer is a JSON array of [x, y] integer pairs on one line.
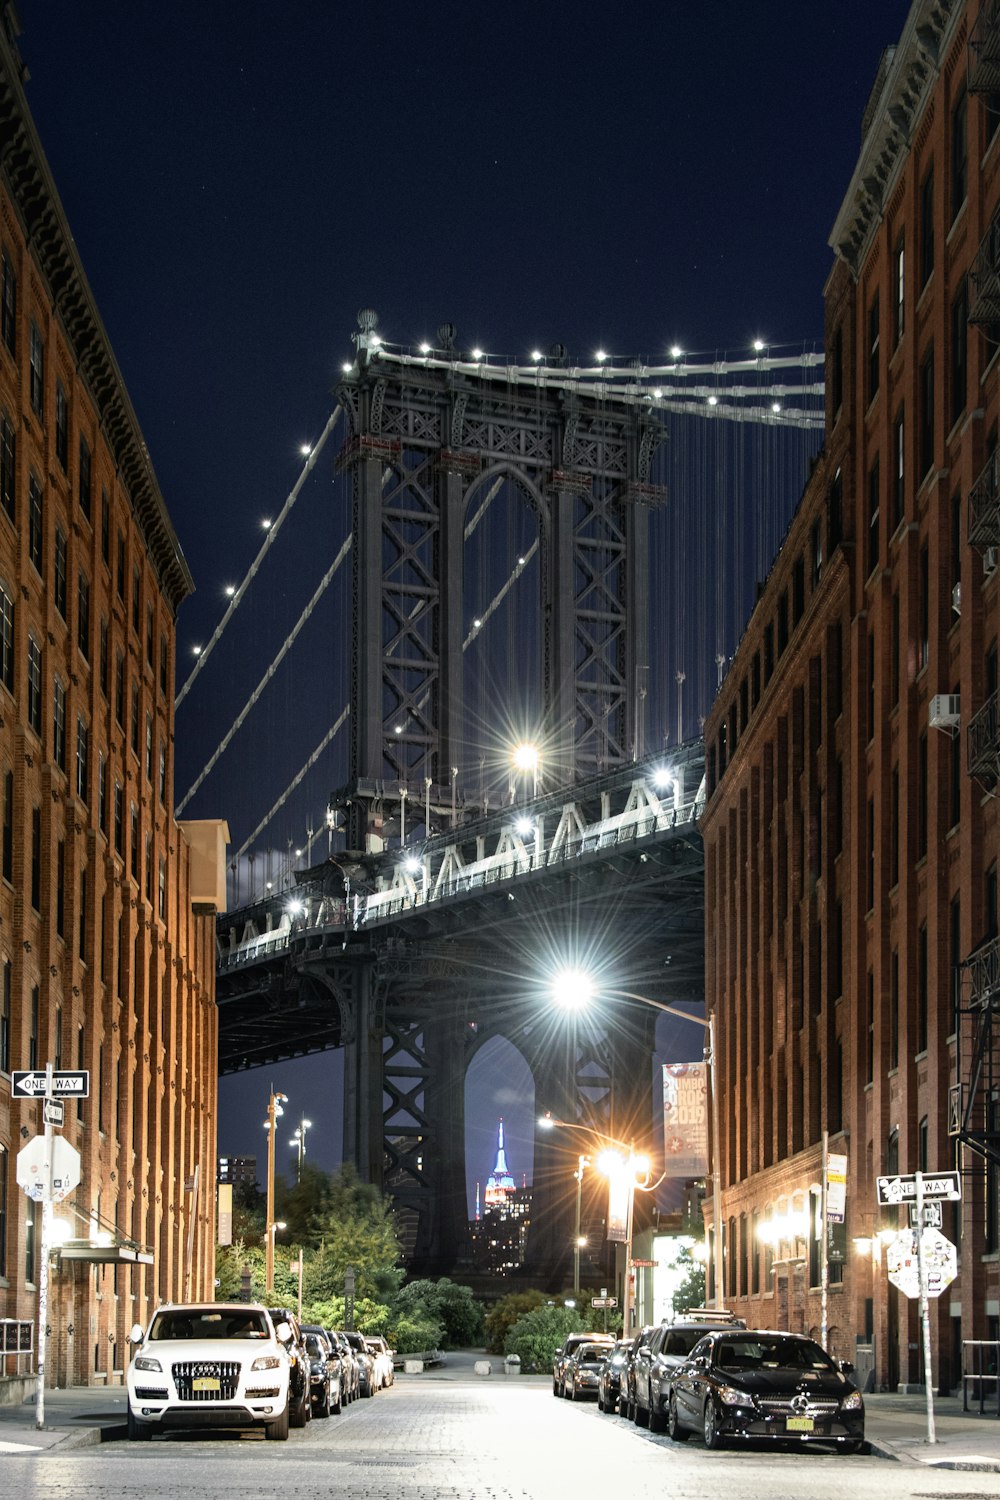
[[500, 1234]]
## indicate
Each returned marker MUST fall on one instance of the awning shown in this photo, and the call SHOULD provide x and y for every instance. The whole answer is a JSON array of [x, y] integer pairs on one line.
[[104, 1254]]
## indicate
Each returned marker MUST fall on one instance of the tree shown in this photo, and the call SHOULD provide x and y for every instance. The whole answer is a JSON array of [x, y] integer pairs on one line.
[[446, 1303], [504, 1314], [535, 1337]]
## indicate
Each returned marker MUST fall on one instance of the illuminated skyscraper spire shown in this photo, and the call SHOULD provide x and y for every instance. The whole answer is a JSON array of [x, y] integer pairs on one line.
[[500, 1184]]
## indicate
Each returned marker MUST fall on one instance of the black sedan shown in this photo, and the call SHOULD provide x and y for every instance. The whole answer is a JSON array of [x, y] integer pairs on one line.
[[609, 1376], [580, 1374], [769, 1386]]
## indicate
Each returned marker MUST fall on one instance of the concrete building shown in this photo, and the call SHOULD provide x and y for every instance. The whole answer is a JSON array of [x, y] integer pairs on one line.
[[851, 832], [107, 904]]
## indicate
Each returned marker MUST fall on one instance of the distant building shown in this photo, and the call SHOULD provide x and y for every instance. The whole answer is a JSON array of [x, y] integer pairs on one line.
[[239, 1171], [499, 1235]]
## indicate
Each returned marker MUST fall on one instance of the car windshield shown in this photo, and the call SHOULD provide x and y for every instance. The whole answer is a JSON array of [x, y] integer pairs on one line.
[[315, 1345], [762, 1353], [682, 1340], [592, 1353], [207, 1323]]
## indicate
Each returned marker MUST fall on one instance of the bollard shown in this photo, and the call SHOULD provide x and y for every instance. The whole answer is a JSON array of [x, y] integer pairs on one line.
[[483, 1367], [512, 1364]]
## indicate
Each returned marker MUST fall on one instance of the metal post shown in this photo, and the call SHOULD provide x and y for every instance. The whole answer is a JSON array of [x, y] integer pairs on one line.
[[190, 1234], [43, 1269], [824, 1264], [627, 1298], [301, 1258], [582, 1161], [716, 1170], [925, 1321], [272, 1114]]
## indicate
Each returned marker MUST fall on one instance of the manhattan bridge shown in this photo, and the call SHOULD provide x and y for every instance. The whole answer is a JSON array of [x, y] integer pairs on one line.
[[516, 593]]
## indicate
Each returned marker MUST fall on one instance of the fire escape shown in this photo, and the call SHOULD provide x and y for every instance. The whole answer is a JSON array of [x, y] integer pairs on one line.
[[974, 1104]]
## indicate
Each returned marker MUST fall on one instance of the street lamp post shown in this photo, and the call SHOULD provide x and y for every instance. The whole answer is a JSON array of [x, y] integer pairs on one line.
[[572, 989], [298, 1143], [583, 1163], [274, 1109]]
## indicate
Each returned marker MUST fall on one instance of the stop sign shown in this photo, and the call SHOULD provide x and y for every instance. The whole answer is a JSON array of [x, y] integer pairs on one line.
[[940, 1262], [38, 1167]]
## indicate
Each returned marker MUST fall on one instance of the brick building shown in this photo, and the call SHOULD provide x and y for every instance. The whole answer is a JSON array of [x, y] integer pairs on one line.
[[851, 831], [106, 928]]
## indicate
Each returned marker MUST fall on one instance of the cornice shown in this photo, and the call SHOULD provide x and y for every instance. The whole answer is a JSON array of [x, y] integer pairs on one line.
[[895, 117], [33, 192]]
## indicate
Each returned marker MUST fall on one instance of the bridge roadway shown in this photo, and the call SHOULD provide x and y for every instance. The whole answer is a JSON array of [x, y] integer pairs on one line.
[[412, 959]]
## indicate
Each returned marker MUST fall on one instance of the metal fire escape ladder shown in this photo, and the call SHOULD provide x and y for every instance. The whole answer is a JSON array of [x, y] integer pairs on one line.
[[975, 1098]]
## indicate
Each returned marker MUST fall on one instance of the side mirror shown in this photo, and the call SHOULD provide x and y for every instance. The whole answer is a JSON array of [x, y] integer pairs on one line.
[[136, 1335], [644, 1350], [283, 1332], [845, 1367]]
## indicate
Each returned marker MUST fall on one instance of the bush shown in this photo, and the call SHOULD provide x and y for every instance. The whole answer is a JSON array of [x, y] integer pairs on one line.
[[446, 1303], [504, 1314], [536, 1336], [413, 1336]]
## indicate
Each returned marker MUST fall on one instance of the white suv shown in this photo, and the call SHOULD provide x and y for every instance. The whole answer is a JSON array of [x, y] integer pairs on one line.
[[208, 1364]]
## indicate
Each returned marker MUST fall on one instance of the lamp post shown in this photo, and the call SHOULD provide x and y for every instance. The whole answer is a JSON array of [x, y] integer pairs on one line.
[[624, 1168], [298, 1143], [572, 989], [578, 1242], [274, 1109]]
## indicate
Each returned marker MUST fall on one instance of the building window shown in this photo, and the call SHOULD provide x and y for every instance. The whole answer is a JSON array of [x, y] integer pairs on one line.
[[57, 1050], [923, 989], [105, 526], [899, 291], [8, 825], [59, 724], [816, 552], [102, 792], [150, 634], [136, 597], [120, 689], [84, 487], [33, 1027], [894, 652], [163, 664], [5, 1033], [60, 888], [81, 925], [899, 487], [870, 1032], [922, 796], [121, 568], [135, 719], [82, 761], [83, 615], [959, 349], [927, 228], [6, 639], [161, 902], [798, 590], [8, 467], [102, 658], [60, 571], [119, 818], [874, 509], [161, 780], [874, 341], [30, 1236], [894, 839], [149, 747], [134, 840], [959, 153], [8, 304], [34, 685], [62, 426], [36, 361], [923, 608], [148, 866], [36, 553], [782, 620], [927, 412]]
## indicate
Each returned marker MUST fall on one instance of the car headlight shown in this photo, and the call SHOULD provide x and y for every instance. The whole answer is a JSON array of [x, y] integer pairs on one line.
[[266, 1362], [852, 1402], [730, 1396], [147, 1362]]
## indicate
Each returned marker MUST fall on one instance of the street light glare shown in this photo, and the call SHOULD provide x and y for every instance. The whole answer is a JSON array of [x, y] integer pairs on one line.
[[526, 757], [572, 989]]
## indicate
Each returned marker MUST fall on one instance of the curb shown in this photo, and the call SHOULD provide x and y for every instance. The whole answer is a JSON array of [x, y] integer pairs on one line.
[[900, 1453]]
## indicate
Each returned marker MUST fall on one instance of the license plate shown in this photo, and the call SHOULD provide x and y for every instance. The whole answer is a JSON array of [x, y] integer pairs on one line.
[[799, 1424], [209, 1383]]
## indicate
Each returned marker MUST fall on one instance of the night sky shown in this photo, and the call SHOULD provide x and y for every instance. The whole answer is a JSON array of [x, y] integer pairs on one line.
[[241, 179]]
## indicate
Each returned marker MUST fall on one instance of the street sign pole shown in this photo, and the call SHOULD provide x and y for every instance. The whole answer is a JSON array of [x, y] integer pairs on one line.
[[925, 1321], [824, 1263], [43, 1269]]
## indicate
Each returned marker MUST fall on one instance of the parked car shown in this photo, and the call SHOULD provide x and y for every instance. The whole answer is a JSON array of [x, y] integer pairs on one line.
[[609, 1376], [562, 1354], [761, 1385], [658, 1359], [366, 1365], [626, 1401], [349, 1366], [215, 1364], [382, 1355], [300, 1401], [324, 1373], [580, 1371]]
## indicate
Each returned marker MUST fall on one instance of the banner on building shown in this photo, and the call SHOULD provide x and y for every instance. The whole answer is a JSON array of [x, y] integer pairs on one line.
[[685, 1119], [620, 1188], [836, 1188], [225, 1230]]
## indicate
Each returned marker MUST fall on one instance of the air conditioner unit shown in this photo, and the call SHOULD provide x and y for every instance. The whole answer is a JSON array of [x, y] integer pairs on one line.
[[956, 598], [944, 711]]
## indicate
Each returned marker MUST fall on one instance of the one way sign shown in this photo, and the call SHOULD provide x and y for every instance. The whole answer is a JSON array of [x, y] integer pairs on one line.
[[904, 1189], [64, 1085]]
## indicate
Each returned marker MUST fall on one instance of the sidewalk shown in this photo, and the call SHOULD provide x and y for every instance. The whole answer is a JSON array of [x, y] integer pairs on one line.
[[896, 1427], [77, 1418]]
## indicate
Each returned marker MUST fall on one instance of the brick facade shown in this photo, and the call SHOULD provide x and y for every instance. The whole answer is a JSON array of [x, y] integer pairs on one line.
[[850, 856], [106, 964]]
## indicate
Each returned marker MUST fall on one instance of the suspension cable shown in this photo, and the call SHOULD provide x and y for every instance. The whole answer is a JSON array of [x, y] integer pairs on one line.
[[334, 728], [272, 532]]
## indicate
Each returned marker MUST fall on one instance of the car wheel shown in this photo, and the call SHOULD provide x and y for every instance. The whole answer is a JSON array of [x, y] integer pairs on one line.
[[657, 1420], [600, 1402], [322, 1407], [710, 1426], [337, 1406], [298, 1415], [277, 1431], [139, 1432], [640, 1415], [856, 1445], [678, 1434]]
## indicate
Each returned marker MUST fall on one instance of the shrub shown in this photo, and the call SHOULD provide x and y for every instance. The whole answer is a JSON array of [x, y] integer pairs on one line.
[[536, 1336], [504, 1314]]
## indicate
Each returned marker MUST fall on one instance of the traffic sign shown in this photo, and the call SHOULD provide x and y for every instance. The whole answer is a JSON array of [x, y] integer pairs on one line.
[[940, 1262], [604, 1301], [932, 1213], [904, 1189], [48, 1169], [32, 1085], [53, 1111], [645, 1263]]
